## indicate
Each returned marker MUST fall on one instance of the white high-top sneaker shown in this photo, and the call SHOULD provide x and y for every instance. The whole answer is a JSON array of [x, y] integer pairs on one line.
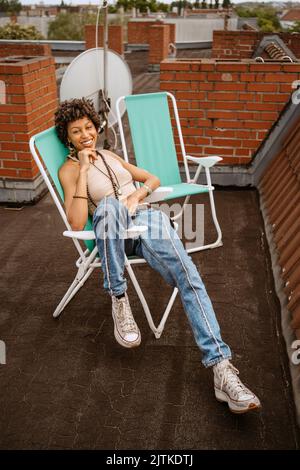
[[126, 330], [229, 388]]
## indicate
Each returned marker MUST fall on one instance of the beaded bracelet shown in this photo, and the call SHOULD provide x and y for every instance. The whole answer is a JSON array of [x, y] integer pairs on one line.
[[80, 197]]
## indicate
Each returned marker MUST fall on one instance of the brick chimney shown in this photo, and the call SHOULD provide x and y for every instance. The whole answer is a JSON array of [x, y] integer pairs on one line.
[[115, 37], [27, 107]]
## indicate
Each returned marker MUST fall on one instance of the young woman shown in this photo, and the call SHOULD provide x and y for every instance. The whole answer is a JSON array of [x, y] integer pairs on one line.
[[100, 182]]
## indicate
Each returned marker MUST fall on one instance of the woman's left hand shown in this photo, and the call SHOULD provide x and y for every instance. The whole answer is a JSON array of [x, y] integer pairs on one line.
[[131, 202]]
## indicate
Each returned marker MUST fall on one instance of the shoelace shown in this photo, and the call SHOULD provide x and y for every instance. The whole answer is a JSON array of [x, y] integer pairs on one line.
[[230, 378], [127, 322]]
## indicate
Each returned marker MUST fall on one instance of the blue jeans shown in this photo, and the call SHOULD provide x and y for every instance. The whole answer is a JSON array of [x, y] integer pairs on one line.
[[161, 247]]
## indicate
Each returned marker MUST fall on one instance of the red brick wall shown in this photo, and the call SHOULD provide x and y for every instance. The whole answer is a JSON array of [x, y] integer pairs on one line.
[[172, 27], [159, 40], [293, 41], [31, 99], [227, 108], [138, 32], [242, 44], [235, 44], [25, 49], [115, 37]]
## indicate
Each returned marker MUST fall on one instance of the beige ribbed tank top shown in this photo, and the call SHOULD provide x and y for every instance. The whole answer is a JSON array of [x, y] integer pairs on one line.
[[99, 185]]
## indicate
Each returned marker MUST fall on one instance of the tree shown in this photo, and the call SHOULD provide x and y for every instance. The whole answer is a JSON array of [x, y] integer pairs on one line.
[[10, 6], [14, 7], [126, 4], [182, 4], [70, 27], [112, 9], [141, 5], [226, 4], [295, 28], [244, 12], [265, 25], [267, 18], [162, 7], [16, 31]]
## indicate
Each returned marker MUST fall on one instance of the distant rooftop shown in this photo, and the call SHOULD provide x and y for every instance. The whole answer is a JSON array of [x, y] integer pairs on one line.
[[292, 15]]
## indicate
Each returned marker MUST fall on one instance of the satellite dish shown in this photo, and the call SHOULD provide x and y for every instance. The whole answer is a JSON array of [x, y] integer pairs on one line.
[[84, 77]]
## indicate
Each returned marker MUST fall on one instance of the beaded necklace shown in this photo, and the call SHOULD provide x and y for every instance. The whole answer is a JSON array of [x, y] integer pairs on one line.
[[110, 172], [114, 181]]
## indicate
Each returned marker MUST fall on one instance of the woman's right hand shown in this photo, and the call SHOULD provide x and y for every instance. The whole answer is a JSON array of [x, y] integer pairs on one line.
[[86, 156]]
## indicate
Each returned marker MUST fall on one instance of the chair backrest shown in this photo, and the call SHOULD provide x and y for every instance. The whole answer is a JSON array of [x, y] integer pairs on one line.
[[53, 153], [152, 136]]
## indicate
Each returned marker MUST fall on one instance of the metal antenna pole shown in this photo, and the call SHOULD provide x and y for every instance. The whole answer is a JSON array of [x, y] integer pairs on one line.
[[105, 47]]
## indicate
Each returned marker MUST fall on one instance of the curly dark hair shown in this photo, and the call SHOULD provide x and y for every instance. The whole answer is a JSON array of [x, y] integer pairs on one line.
[[71, 110]]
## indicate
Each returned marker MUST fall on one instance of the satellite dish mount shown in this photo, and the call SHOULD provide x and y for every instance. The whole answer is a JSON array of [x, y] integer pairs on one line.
[[104, 100], [101, 75]]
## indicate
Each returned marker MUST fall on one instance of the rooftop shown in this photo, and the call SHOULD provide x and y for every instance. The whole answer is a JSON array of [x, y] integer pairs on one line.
[[69, 385], [291, 15]]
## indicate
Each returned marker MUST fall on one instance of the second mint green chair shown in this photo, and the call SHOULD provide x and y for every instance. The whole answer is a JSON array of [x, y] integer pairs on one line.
[[155, 151]]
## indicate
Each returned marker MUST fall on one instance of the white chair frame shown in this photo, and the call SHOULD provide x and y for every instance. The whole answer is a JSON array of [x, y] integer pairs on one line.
[[88, 261]]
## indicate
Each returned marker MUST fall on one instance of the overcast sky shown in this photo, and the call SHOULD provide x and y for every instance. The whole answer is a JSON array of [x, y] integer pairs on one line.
[[94, 2]]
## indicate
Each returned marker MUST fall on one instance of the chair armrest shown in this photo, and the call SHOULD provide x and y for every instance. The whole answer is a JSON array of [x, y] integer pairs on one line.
[[80, 234], [131, 232], [159, 194], [207, 162]]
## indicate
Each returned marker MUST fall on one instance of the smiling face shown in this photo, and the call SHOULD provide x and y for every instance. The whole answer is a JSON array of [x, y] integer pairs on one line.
[[82, 133]]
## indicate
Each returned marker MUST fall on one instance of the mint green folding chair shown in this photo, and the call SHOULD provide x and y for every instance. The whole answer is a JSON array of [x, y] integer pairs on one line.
[[155, 151], [49, 154]]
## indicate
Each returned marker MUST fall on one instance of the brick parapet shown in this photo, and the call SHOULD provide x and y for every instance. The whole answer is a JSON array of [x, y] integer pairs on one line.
[[227, 108], [27, 108], [11, 49], [242, 44]]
